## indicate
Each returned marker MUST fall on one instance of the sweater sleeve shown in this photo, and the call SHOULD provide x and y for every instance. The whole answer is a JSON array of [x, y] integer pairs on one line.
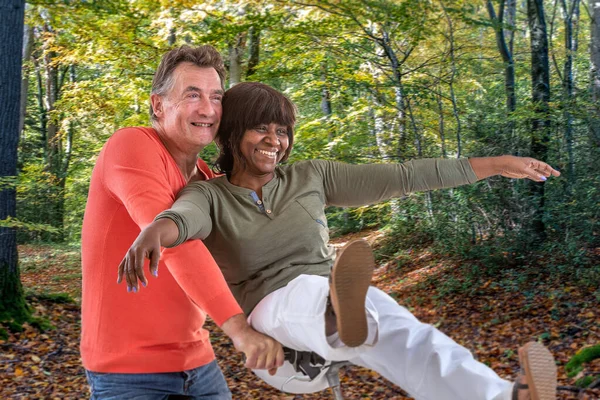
[[349, 185], [139, 180]]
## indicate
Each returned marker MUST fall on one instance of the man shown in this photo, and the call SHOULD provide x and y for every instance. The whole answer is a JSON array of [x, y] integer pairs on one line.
[[166, 352]]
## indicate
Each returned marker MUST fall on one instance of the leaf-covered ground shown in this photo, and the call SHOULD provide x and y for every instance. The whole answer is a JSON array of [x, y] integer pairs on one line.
[[491, 313]]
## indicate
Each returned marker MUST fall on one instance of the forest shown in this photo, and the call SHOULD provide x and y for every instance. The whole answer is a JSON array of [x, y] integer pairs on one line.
[[375, 81]]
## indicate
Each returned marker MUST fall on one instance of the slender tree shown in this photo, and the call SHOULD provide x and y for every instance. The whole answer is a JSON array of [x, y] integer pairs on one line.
[[253, 50], [540, 86], [571, 19], [506, 49], [325, 93], [451, 78], [594, 8], [12, 303], [27, 49], [236, 50]]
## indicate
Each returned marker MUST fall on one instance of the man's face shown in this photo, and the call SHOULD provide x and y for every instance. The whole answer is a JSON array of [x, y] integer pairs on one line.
[[189, 114]]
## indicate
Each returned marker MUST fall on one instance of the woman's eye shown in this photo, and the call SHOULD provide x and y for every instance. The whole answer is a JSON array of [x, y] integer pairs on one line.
[[282, 132], [260, 129]]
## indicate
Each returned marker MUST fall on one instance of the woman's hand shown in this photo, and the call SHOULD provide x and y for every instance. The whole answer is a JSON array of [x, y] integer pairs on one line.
[[147, 245], [512, 167]]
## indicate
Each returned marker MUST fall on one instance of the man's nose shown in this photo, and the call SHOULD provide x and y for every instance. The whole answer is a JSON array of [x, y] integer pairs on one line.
[[205, 107]]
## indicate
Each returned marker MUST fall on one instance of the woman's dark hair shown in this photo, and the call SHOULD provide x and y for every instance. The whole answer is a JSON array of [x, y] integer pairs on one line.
[[245, 106]]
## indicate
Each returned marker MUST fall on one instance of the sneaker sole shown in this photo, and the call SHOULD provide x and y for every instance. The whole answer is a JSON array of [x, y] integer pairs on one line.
[[350, 280], [540, 371]]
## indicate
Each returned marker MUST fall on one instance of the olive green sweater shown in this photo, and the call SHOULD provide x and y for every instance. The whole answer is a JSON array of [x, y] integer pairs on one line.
[[262, 244]]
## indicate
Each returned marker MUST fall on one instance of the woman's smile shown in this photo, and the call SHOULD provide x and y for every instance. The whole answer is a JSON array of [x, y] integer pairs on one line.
[[271, 154]]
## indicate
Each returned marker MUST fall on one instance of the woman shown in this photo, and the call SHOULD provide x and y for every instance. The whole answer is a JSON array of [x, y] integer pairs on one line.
[[265, 225]]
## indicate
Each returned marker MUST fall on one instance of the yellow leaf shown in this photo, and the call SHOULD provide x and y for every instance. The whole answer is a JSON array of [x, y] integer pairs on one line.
[[36, 358], [18, 371]]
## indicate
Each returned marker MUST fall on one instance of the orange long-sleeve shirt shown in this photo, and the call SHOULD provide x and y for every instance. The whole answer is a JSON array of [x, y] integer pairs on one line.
[[158, 329]]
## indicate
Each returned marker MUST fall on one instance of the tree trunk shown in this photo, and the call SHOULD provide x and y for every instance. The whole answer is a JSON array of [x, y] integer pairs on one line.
[[53, 140], [416, 130], [379, 130], [326, 102], [594, 7], [12, 304], [419, 146], [27, 49], [325, 94], [43, 116], [571, 15], [172, 37], [395, 65], [441, 124], [235, 60], [540, 77], [253, 50], [451, 83], [505, 49]]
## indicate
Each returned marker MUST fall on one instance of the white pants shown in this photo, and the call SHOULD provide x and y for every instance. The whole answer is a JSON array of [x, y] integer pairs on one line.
[[415, 356]]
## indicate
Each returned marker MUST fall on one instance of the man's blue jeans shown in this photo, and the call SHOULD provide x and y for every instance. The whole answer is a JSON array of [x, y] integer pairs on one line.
[[202, 383]]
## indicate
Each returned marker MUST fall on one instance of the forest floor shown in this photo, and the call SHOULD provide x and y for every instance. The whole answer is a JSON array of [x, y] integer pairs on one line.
[[489, 312]]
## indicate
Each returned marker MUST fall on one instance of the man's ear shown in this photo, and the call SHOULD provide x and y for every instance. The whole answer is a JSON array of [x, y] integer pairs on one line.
[[157, 104]]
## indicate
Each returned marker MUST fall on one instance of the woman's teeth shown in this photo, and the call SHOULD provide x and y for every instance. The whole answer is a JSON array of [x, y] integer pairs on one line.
[[272, 154]]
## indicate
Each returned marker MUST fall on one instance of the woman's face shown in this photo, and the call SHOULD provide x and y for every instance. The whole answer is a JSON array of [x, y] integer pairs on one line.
[[263, 146]]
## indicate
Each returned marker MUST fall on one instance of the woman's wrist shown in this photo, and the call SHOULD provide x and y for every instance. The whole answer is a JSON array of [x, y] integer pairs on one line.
[[484, 167], [167, 231]]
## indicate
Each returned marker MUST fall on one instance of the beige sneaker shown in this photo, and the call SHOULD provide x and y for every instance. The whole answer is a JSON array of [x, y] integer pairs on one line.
[[539, 368], [348, 284]]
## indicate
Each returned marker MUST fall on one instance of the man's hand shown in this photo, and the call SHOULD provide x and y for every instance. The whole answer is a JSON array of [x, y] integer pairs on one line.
[[261, 351]]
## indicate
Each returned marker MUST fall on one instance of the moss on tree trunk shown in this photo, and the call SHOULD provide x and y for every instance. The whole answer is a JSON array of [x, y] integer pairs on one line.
[[14, 311]]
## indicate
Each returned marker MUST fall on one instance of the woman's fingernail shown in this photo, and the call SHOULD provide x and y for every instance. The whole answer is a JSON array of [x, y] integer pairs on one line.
[[128, 289], [155, 273], [144, 284], [543, 178], [134, 289]]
